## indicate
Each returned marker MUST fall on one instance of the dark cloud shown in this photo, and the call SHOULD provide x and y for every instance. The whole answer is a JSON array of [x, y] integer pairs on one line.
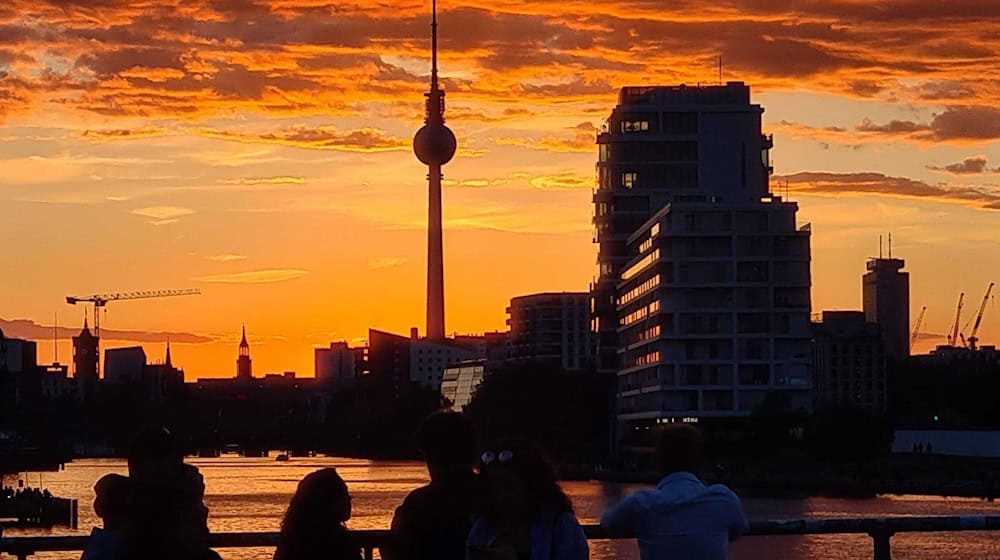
[[892, 127], [865, 88], [948, 89], [30, 330], [967, 123], [969, 166], [878, 183]]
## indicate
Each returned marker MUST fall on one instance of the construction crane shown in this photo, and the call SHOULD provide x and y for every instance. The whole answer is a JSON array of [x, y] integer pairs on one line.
[[101, 300], [953, 336], [916, 327], [973, 338]]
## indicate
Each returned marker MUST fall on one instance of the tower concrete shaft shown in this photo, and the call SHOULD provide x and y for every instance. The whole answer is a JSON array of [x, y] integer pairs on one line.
[[435, 256]]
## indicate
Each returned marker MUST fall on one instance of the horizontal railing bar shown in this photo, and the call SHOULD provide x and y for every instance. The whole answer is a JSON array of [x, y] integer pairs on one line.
[[374, 538]]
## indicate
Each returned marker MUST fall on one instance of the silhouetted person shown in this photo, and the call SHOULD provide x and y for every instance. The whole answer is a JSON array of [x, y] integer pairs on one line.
[[434, 520], [681, 518], [170, 520], [526, 515], [113, 503], [314, 524], [930, 448]]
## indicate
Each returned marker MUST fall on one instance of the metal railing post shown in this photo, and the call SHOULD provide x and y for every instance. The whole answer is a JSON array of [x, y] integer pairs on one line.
[[882, 541], [369, 553]]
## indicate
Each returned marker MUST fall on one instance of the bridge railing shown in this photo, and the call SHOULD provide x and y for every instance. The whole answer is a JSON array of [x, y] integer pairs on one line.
[[880, 529]]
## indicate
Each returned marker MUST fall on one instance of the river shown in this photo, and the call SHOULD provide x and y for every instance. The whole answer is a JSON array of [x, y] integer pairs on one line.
[[246, 494]]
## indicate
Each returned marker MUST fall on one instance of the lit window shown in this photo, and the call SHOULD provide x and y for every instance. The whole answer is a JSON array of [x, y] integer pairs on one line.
[[629, 179], [635, 126]]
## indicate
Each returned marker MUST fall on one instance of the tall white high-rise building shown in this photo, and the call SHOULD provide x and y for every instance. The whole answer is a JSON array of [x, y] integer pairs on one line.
[[702, 298]]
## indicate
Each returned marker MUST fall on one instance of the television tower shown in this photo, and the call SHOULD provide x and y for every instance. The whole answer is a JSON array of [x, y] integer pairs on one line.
[[434, 145]]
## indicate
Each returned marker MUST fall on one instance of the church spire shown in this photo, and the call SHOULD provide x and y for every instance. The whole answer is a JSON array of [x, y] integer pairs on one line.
[[168, 362], [243, 364]]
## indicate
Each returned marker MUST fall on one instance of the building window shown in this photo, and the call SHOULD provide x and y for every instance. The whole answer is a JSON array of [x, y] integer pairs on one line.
[[635, 126], [629, 179]]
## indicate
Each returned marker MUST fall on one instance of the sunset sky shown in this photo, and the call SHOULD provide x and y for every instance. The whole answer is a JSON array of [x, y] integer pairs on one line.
[[260, 151]]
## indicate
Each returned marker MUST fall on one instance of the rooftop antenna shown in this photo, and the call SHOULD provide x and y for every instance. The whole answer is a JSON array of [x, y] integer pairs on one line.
[[434, 46], [880, 246], [55, 339], [890, 244], [720, 69]]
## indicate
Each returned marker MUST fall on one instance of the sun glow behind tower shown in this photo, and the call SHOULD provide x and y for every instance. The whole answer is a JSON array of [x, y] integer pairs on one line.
[[434, 145]]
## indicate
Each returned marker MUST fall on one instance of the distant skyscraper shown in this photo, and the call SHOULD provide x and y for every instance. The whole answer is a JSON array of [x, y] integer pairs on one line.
[[85, 355], [663, 144], [886, 289], [243, 367], [434, 145]]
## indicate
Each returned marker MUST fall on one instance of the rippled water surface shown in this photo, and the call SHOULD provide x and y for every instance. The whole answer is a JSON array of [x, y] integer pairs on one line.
[[251, 494]]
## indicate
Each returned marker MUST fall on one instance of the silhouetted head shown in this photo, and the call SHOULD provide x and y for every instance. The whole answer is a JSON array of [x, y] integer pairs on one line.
[[113, 500], [521, 484], [321, 502], [153, 453], [678, 448], [448, 442]]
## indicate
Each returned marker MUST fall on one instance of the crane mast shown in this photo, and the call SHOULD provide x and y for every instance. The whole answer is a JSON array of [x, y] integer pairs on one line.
[[973, 336], [916, 328], [953, 336]]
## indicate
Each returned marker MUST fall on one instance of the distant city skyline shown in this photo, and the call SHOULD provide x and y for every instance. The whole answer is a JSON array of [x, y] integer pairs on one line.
[[270, 165]]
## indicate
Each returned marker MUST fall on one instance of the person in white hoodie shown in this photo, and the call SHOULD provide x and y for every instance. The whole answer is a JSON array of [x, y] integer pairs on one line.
[[681, 518]]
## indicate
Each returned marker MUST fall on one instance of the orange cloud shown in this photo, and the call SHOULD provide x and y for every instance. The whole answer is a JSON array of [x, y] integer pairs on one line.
[[321, 138], [824, 183], [265, 276], [564, 180], [121, 133]]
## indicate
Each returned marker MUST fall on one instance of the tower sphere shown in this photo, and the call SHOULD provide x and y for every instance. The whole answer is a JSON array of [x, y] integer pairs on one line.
[[434, 144]]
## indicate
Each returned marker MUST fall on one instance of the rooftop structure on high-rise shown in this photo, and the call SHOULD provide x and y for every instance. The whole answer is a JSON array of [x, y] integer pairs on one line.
[[886, 292], [434, 145]]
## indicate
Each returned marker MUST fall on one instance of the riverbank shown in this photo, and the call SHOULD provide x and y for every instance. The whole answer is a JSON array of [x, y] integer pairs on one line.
[[926, 475]]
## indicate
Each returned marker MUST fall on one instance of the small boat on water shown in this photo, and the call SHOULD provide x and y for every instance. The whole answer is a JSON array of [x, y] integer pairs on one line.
[[281, 457]]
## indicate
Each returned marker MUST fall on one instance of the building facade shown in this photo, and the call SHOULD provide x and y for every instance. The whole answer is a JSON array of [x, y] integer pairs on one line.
[[124, 365], [848, 361], [460, 381], [551, 328], [664, 144], [429, 358], [714, 311], [886, 290], [336, 364]]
